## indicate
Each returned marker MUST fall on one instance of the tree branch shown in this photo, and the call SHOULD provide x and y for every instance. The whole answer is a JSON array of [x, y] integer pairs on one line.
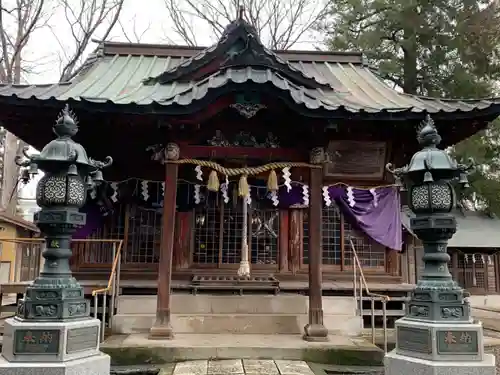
[[90, 16], [279, 23]]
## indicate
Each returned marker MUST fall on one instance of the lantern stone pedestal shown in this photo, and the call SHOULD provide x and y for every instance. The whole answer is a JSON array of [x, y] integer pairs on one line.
[[426, 348], [52, 348], [437, 336], [52, 332]]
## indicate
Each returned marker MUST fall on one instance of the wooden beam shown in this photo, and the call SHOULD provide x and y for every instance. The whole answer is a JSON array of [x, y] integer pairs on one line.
[[268, 154]]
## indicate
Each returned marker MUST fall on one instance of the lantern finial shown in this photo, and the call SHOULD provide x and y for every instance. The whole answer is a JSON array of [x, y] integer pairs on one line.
[[428, 135], [66, 124]]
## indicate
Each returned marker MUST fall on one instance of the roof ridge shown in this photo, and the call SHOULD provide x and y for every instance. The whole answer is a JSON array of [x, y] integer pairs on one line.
[[239, 45], [125, 48]]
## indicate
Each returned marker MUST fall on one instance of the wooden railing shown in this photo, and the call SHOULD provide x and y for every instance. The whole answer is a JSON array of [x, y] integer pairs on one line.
[[92, 253], [87, 253], [26, 257]]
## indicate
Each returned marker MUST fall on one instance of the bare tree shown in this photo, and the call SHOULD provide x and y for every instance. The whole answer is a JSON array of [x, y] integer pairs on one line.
[[19, 19], [86, 18], [279, 23], [133, 35]]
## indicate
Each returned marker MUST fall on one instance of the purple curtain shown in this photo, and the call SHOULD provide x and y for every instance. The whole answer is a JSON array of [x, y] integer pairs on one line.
[[293, 197], [94, 221], [376, 212]]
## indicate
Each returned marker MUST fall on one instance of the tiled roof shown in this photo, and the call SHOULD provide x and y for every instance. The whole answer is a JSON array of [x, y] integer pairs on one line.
[[474, 229], [116, 74], [18, 222]]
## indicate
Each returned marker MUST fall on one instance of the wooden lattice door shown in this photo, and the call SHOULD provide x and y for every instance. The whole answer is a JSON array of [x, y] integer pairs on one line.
[[470, 271], [218, 234]]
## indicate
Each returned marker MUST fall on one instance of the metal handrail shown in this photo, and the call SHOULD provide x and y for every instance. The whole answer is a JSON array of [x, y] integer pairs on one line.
[[363, 285], [113, 286]]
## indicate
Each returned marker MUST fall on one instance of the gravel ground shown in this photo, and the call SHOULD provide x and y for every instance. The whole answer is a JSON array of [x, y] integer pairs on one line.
[[496, 352]]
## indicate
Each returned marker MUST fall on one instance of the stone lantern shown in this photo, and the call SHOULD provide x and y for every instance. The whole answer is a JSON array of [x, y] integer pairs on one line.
[[52, 328], [437, 335]]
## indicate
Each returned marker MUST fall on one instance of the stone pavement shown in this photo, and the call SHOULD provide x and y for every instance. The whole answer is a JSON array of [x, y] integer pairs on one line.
[[239, 367]]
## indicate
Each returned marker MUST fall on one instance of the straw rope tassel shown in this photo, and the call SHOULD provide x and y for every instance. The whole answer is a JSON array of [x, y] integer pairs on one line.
[[272, 181], [243, 188], [213, 181]]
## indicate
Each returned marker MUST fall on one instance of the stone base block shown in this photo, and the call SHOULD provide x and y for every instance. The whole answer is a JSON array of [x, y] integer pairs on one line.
[[95, 365], [27, 341], [396, 364], [440, 341]]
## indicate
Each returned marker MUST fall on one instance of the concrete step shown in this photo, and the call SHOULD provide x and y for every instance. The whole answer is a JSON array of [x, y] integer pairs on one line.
[[340, 350], [266, 324], [248, 304], [250, 314]]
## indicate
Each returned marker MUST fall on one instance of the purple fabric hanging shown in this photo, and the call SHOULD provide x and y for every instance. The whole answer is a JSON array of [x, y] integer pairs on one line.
[[376, 212], [289, 198], [94, 221]]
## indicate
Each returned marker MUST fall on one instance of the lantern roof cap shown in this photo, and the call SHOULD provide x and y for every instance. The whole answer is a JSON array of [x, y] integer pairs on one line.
[[430, 158], [63, 151], [64, 148]]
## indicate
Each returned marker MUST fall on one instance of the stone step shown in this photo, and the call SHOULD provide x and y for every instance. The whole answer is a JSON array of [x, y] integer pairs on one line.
[[236, 323], [339, 350], [234, 304]]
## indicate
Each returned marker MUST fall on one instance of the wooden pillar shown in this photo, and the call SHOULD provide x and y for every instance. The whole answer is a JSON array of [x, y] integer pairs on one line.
[[162, 328], [295, 237], [283, 241], [489, 265], [183, 234], [315, 330], [393, 261]]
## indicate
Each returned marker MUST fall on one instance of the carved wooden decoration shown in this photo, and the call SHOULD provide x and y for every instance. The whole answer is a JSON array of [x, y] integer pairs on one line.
[[361, 160]]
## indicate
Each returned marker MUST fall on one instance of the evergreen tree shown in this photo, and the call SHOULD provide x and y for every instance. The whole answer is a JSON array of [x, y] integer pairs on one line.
[[439, 48]]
